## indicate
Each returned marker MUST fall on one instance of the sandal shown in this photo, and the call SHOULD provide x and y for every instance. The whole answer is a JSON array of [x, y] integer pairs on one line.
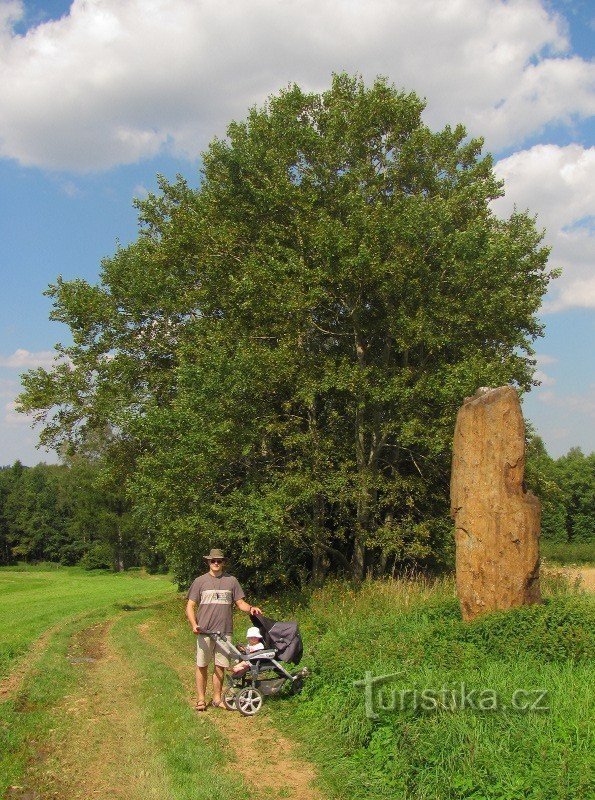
[[200, 705], [216, 704]]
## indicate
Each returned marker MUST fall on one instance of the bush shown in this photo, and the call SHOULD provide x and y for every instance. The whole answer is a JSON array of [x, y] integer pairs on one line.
[[100, 556]]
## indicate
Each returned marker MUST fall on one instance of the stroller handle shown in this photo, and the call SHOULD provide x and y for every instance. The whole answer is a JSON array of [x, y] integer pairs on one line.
[[218, 636]]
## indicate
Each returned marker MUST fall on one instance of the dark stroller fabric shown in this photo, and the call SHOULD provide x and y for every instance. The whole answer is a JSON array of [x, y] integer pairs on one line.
[[283, 636]]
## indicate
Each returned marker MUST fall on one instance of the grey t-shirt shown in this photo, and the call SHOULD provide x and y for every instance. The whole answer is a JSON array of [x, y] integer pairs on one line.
[[215, 598]]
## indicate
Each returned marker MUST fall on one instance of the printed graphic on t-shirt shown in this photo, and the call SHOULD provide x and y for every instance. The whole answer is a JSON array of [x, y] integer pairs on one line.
[[217, 596]]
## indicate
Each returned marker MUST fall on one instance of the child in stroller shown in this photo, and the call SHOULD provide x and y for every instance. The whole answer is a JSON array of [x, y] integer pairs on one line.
[[265, 673], [254, 639]]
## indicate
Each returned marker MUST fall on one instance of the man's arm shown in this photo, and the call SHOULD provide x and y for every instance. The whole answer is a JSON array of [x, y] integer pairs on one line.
[[244, 606], [191, 614]]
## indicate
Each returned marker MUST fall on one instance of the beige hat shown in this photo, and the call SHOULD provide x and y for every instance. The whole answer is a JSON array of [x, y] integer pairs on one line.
[[215, 554]]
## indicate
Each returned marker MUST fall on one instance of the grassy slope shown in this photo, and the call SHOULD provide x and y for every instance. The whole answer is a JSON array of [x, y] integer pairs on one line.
[[31, 601], [417, 632]]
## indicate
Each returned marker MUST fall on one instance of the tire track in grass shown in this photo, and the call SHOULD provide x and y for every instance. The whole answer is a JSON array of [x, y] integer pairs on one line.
[[99, 747], [126, 731], [265, 758], [12, 683], [194, 757], [27, 714]]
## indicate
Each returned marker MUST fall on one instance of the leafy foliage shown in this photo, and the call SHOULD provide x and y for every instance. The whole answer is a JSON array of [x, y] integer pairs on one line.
[[280, 356], [566, 487]]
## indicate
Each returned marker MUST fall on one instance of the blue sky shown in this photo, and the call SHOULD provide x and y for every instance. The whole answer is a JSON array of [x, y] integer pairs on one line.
[[98, 96]]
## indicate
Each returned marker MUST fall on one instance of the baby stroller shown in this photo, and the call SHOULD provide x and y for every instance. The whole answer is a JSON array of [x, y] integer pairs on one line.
[[283, 644]]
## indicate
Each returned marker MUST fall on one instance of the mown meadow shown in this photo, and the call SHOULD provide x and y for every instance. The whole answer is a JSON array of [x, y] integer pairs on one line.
[[75, 720], [33, 599]]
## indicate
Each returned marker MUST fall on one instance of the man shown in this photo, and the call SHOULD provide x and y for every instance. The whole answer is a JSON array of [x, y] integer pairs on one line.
[[214, 593]]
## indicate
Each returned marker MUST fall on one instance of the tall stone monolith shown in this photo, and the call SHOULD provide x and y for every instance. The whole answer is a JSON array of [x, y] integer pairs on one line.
[[497, 522]]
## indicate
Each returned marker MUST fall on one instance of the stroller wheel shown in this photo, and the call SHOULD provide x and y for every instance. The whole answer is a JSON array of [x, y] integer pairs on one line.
[[297, 684], [229, 699], [249, 701]]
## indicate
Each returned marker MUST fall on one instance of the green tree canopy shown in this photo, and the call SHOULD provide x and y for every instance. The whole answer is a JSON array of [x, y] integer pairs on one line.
[[282, 352]]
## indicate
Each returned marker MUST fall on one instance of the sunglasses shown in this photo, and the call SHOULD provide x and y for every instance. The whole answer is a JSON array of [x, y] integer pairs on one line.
[[217, 560]]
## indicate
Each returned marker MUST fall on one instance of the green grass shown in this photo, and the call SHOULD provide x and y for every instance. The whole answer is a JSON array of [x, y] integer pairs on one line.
[[26, 718], [582, 553], [415, 630], [412, 628], [33, 600]]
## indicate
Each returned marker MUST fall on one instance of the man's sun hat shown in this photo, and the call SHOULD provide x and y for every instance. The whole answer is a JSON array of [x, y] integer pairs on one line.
[[215, 554], [253, 633]]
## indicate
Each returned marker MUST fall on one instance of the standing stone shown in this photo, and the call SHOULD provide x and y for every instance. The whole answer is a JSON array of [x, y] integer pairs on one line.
[[497, 522]]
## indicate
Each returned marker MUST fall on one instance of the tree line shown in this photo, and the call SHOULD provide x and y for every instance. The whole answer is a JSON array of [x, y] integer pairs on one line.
[[69, 514], [280, 355], [566, 486]]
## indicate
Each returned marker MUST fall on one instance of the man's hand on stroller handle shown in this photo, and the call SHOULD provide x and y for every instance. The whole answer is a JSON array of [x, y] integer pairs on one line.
[[247, 608]]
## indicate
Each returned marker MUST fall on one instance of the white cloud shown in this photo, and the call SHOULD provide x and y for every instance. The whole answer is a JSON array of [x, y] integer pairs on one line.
[[70, 189], [23, 359], [544, 378], [554, 89], [571, 403], [120, 80], [563, 419], [543, 359], [13, 417], [558, 183], [8, 387], [18, 441], [140, 192]]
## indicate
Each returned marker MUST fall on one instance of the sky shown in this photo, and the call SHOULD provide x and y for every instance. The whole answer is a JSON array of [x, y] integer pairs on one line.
[[98, 97]]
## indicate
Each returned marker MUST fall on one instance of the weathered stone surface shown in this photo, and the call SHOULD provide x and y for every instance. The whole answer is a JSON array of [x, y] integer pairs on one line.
[[497, 522]]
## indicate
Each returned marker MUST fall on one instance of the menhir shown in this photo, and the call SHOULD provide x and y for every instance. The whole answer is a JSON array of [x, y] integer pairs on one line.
[[497, 522]]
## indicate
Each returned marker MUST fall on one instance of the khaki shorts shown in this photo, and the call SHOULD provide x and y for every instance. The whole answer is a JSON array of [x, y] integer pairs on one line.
[[208, 649]]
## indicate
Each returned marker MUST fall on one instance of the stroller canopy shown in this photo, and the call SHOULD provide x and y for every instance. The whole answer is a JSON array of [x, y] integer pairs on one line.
[[283, 636]]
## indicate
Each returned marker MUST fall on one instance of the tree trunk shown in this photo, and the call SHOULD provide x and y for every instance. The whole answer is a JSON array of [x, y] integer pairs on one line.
[[362, 522], [319, 557]]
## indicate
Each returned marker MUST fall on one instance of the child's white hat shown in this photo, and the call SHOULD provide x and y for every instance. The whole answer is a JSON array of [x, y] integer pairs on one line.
[[253, 633]]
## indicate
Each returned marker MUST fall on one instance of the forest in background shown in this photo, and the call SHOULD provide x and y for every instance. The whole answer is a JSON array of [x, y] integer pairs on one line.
[[69, 514]]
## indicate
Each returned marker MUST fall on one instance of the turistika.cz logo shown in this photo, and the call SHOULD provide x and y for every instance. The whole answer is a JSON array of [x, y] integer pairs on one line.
[[382, 698]]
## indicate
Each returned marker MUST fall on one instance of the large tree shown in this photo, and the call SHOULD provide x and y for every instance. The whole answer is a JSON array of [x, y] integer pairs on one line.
[[283, 350]]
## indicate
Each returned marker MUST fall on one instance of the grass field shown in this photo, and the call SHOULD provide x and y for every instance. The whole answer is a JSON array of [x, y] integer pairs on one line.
[[34, 600], [101, 705]]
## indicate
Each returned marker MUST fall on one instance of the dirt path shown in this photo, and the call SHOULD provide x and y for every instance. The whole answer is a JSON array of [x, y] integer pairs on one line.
[[586, 576], [253, 740], [582, 577], [98, 748]]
